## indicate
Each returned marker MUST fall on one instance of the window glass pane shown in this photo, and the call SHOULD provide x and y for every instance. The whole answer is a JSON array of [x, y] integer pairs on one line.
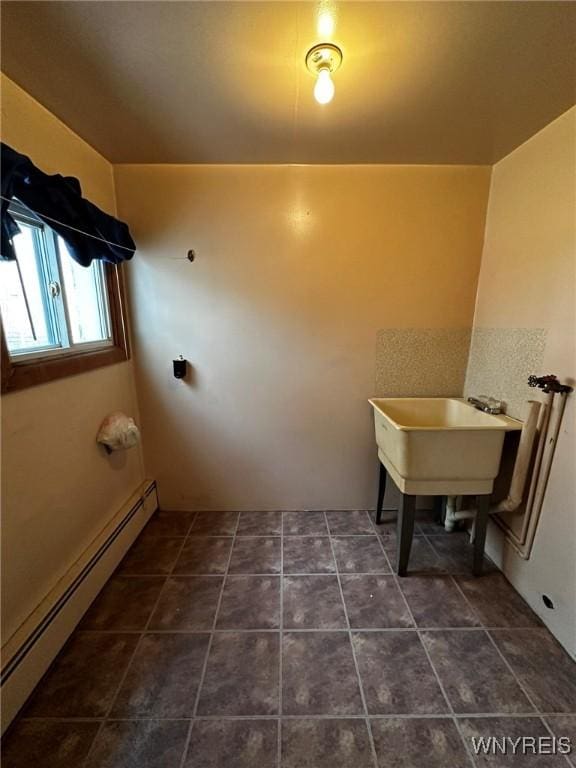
[[85, 292], [23, 296]]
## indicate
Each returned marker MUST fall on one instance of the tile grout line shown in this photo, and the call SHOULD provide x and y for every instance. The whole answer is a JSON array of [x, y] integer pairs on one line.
[[433, 668], [208, 649], [475, 613], [281, 644], [440, 556], [278, 536], [536, 714], [381, 716], [435, 672], [501, 655], [451, 561], [254, 573], [136, 647], [440, 571], [486, 630], [361, 535], [519, 683], [269, 630], [551, 732], [354, 659]]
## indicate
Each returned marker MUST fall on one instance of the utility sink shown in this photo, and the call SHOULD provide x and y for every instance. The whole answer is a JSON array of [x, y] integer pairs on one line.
[[439, 445]]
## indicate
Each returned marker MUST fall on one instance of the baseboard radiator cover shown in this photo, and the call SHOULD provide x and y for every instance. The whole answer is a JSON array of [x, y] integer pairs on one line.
[[28, 653]]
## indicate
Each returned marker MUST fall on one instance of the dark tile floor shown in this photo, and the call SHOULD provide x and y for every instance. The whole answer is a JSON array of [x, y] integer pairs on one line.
[[270, 640]]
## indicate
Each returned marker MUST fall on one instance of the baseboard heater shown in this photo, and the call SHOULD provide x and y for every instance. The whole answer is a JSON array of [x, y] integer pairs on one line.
[[30, 650]]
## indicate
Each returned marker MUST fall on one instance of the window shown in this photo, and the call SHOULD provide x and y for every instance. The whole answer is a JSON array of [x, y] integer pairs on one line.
[[58, 318]]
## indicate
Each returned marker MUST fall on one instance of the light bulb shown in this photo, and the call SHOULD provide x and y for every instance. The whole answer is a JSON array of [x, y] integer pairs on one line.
[[324, 88]]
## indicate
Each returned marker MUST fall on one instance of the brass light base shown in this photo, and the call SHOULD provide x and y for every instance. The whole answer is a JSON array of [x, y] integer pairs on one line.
[[323, 56]]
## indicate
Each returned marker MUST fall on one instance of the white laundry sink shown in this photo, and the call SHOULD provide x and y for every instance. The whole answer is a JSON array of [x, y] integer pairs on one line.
[[439, 445]]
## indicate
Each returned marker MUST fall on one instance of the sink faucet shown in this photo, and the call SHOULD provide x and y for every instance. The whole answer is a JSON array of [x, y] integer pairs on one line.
[[486, 404]]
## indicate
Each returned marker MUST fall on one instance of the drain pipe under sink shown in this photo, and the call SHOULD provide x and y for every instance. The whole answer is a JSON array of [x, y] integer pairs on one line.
[[519, 474]]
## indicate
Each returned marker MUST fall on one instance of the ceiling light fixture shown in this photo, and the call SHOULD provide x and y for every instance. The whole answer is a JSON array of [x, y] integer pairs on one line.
[[322, 60]]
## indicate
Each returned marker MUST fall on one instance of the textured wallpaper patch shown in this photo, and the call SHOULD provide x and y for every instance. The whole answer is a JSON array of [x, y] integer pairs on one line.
[[501, 359], [421, 362]]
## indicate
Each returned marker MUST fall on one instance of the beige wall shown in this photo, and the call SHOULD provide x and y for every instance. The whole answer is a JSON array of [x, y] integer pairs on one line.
[[59, 488], [297, 270], [528, 281]]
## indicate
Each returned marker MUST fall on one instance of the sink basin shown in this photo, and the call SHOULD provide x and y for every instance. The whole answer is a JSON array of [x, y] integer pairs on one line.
[[439, 445]]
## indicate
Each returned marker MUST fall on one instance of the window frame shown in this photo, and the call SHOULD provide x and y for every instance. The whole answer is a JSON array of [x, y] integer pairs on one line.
[[38, 367]]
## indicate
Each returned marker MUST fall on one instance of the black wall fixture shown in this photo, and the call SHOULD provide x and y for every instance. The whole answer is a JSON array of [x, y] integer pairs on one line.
[[549, 384], [180, 368]]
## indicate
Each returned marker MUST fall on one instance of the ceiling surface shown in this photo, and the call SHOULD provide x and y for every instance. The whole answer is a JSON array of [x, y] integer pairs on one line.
[[225, 82]]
